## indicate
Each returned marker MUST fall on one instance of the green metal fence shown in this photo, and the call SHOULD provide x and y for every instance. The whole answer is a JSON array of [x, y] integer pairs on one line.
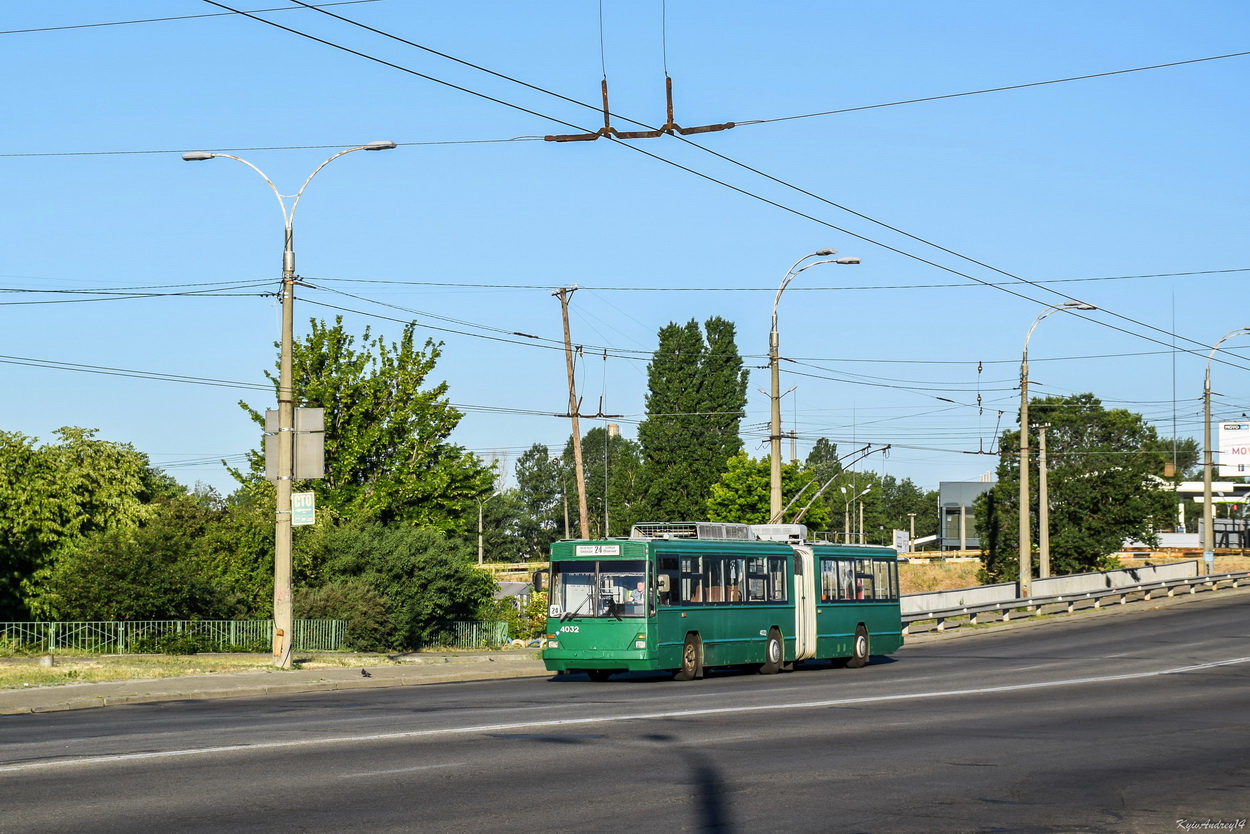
[[182, 636], [469, 635]]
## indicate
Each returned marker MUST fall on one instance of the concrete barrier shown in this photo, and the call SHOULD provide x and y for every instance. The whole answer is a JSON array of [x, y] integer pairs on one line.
[[1080, 583], [943, 600]]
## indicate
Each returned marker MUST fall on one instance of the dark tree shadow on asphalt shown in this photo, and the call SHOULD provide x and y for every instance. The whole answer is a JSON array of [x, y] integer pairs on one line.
[[712, 810]]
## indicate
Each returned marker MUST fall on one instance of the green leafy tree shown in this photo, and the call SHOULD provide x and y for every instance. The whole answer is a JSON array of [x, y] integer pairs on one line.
[[364, 609], [695, 405], [823, 460], [1103, 488], [150, 572], [1182, 454], [53, 494], [387, 453], [427, 577], [540, 501], [742, 493], [501, 528], [613, 476]]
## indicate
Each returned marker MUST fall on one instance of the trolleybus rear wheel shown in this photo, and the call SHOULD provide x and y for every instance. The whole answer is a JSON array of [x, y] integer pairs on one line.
[[691, 659], [860, 649], [774, 654]]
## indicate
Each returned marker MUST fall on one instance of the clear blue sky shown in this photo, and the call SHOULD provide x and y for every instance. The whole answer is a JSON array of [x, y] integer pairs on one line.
[[1127, 191]]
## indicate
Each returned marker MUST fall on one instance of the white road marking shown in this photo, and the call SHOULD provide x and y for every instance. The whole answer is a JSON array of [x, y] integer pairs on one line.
[[607, 719], [401, 770]]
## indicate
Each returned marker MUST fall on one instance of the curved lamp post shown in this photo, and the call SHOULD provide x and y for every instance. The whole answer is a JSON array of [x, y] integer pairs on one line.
[[774, 495], [1208, 521], [282, 618], [1026, 545]]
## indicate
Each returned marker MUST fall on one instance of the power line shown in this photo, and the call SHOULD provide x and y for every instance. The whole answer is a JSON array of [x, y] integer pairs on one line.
[[793, 289], [810, 194], [743, 165], [997, 89], [54, 364], [165, 19], [700, 174], [337, 145], [106, 295]]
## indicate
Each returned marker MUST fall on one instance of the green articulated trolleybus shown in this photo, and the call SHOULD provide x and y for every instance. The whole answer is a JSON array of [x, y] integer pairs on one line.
[[690, 596]]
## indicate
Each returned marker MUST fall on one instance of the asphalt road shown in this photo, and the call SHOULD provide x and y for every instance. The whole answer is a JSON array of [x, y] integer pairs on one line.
[[1136, 722]]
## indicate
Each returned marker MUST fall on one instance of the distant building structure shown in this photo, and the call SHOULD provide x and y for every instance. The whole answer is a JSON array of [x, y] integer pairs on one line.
[[956, 525]]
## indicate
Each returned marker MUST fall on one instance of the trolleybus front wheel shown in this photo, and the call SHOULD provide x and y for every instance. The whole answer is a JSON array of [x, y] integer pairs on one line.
[[774, 654], [861, 649], [691, 659]]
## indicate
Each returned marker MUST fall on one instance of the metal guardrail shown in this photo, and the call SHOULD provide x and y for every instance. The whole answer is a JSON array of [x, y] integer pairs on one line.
[[1067, 602]]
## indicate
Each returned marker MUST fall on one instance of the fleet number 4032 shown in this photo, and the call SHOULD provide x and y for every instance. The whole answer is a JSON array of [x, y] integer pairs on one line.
[[570, 629]]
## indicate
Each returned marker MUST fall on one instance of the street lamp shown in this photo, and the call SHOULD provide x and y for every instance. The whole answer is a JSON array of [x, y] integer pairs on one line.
[[774, 496], [1026, 547], [1208, 521], [282, 618]]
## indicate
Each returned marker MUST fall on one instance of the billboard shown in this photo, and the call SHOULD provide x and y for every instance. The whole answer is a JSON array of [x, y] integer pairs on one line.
[[1234, 449]]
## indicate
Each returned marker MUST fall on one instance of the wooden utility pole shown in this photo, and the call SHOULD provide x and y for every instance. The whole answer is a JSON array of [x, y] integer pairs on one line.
[[583, 521]]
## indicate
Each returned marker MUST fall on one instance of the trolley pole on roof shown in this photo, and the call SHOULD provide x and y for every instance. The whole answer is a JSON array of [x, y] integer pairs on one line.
[[583, 521]]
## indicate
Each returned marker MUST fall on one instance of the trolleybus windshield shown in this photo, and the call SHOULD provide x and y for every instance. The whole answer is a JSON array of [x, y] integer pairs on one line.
[[614, 589]]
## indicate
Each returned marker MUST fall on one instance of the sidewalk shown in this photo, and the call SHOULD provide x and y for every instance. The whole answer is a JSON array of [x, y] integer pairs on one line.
[[411, 672]]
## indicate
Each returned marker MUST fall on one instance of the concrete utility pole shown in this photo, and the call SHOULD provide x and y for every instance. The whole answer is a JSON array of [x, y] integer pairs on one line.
[[583, 520], [774, 432], [1208, 517], [481, 539], [1026, 544], [1043, 507], [283, 622]]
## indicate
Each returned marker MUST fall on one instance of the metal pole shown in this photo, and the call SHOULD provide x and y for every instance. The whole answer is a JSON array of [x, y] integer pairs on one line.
[[1208, 521], [1026, 546], [774, 425]]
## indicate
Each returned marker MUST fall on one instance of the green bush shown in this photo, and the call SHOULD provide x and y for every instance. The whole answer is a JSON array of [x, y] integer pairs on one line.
[[356, 601]]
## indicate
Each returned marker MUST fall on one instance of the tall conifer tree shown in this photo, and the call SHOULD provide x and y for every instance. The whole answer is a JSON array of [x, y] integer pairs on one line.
[[695, 401]]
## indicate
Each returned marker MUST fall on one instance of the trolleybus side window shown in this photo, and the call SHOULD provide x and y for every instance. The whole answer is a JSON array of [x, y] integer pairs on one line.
[[863, 579], [883, 583], [692, 579], [714, 573], [777, 579], [669, 580], [858, 579], [757, 580], [735, 580]]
